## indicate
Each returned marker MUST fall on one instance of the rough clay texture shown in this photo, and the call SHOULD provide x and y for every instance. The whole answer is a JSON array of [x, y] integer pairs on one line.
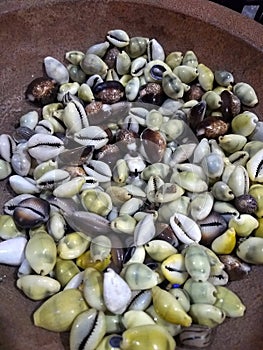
[[31, 30]]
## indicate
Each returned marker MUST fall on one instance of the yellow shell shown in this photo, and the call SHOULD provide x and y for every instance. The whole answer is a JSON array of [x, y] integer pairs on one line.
[[173, 269], [229, 302], [93, 288], [73, 245], [225, 243], [59, 311], [41, 253], [244, 224], [65, 270], [259, 230], [150, 337], [85, 260], [167, 307], [257, 192], [38, 287]]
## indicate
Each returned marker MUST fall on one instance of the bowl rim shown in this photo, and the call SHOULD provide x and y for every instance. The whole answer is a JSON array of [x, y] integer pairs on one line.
[[238, 25]]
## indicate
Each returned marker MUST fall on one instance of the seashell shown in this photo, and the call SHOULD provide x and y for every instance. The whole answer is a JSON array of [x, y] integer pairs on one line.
[[43, 168], [186, 230], [167, 307], [92, 64], [155, 51], [138, 66], [173, 269], [154, 120], [225, 243], [72, 245], [41, 253], [235, 268], [197, 114], [92, 136], [42, 91], [258, 231], [180, 205], [99, 170], [153, 145], [29, 120], [182, 296], [244, 123], [44, 147], [200, 292], [246, 94], [12, 251], [136, 46], [185, 73], [8, 228], [110, 92], [24, 269], [85, 260], [31, 212], [224, 78], [151, 93], [93, 288], [10, 205], [201, 150], [22, 134], [156, 169], [190, 59], [7, 147], [212, 127], [231, 105], [256, 191], [132, 88], [75, 117], [244, 224], [56, 70], [229, 302], [159, 249], [116, 292], [85, 93], [65, 270], [205, 77], [189, 181], [250, 250], [119, 195], [100, 247], [172, 85], [44, 127], [196, 336], [136, 318], [131, 206], [245, 204], [255, 167], [134, 255], [52, 178], [141, 300], [213, 165], [118, 37], [220, 279], [70, 188], [96, 201], [216, 265], [239, 158], [212, 99], [23, 184], [207, 315], [5, 169], [201, 205], [38, 287], [147, 337], [140, 277], [239, 181], [174, 59], [222, 191], [111, 342], [67, 92], [182, 153], [87, 330], [211, 227], [59, 311], [197, 263], [231, 143], [144, 230], [225, 209], [256, 135], [74, 56], [123, 224]]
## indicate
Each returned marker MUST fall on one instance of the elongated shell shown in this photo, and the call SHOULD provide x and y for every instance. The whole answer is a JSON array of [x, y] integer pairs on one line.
[[186, 230], [251, 250], [12, 251], [207, 315], [59, 311], [87, 330], [229, 302], [197, 263], [144, 230], [41, 253], [38, 287], [167, 307], [93, 288], [173, 269]]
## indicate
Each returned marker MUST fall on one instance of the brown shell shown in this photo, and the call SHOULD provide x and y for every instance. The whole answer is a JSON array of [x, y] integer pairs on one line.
[[212, 127]]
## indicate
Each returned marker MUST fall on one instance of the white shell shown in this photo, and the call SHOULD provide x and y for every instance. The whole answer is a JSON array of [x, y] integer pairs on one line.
[[29, 119], [22, 185], [56, 70], [116, 292], [187, 231], [144, 230], [255, 167], [12, 251]]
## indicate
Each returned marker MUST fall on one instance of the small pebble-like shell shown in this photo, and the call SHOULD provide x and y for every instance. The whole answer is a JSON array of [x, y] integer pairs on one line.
[[229, 302], [159, 249], [100, 247], [222, 191], [65, 270], [38, 287], [197, 263], [200, 292], [41, 253], [196, 336], [72, 245], [173, 269], [5, 169], [182, 296], [207, 315], [116, 292], [190, 181], [96, 201], [135, 318], [235, 268], [231, 143], [213, 165], [59, 311], [170, 309], [137, 46], [44, 147], [201, 205], [144, 230], [56, 70], [118, 37], [155, 51], [243, 224], [150, 337], [224, 78], [172, 85], [92, 64], [246, 94], [186, 230], [250, 250], [8, 228], [139, 276], [255, 167], [205, 77], [87, 330], [225, 243], [244, 123], [12, 251], [190, 59]]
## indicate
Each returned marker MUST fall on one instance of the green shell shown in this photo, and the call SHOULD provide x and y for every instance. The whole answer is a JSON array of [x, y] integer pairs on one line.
[[229, 302]]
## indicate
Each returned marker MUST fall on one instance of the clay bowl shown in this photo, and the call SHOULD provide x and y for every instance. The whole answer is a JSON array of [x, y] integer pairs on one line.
[[28, 33]]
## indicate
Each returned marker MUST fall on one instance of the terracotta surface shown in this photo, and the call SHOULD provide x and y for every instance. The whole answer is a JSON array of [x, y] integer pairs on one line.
[[28, 33]]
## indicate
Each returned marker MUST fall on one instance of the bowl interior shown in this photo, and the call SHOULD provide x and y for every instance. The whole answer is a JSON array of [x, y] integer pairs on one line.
[[28, 33]]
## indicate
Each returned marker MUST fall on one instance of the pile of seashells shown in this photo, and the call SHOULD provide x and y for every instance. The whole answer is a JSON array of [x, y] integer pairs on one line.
[[138, 196]]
